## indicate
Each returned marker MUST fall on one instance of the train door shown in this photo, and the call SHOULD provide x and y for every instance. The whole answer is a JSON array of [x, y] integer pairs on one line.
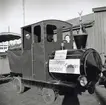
[[52, 38], [55, 33], [26, 60], [38, 52]]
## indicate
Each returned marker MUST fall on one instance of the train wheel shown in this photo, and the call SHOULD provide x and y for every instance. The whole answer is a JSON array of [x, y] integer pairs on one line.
[[91, 89], [18, 85], [49, 95]]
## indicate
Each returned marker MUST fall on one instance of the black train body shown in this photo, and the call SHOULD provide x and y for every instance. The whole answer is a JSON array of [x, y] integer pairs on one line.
[[90, 65]]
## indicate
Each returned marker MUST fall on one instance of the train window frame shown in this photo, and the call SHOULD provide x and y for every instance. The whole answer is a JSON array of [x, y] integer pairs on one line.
[[51, 35], [66, 36], [37, 34], [26, 43]]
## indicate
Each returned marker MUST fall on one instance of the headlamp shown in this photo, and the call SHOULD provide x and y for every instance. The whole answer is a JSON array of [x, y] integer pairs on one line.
[[83, 81]]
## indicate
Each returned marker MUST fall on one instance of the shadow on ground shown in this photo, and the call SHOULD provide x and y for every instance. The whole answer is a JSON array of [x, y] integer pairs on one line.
[[3, 80], [70, 100]]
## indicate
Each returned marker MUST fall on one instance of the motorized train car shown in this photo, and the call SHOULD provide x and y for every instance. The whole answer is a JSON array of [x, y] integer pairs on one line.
[[49, 61]]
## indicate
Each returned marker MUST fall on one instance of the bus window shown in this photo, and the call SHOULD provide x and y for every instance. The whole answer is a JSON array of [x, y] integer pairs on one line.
[[51, 35]]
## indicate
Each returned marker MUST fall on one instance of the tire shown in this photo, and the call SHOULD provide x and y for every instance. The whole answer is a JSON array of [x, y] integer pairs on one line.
[[18, 85]]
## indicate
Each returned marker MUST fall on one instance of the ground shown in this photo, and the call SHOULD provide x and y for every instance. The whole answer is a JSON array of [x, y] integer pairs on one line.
[[101, 94], [8, 96]]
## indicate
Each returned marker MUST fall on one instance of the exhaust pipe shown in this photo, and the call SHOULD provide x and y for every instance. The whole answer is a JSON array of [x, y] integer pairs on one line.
[[81, 39]]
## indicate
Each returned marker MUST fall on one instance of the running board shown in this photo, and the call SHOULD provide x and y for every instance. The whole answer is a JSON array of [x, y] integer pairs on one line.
[[48, 83]]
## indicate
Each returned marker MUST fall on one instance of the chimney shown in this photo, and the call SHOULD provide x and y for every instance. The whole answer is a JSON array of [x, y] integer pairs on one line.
[[81, 39]]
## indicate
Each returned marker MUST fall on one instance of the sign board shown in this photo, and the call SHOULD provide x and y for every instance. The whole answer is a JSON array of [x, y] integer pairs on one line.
[[71, 66], [60, 54]]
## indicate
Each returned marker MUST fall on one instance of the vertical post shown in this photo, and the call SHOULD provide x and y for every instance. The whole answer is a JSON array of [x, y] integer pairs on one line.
[[23, 16], [8, 28], [80, 21], [23, 7]]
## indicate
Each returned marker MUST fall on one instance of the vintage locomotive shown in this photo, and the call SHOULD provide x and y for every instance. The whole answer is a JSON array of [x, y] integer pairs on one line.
[[48, 60]]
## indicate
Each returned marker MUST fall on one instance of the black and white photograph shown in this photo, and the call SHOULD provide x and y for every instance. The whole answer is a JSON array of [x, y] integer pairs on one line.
[[52, 52]]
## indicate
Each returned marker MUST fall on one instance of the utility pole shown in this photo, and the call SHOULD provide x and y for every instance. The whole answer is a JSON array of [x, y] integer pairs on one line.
[[23, 7], [8, 28]]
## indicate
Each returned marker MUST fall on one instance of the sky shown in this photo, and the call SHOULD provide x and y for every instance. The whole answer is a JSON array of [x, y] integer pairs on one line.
[[60, 9], [11, 11]]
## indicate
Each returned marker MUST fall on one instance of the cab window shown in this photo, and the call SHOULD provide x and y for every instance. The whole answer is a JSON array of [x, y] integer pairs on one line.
[[66, 36], [51, 33], [27, 37], [37, 34]]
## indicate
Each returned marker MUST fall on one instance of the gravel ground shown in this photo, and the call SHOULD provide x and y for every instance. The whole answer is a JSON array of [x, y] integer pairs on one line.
[[101, 94], [8, 96]]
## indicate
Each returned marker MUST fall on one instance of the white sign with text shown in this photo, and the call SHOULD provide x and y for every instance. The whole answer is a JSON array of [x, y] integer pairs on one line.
[[60, 54], [71, 66]]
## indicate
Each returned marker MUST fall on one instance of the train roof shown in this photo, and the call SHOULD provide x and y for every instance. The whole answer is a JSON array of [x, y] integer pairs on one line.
[[46, 21]]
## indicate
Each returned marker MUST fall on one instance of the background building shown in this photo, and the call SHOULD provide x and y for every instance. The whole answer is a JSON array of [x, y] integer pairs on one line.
[[95, 24]]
